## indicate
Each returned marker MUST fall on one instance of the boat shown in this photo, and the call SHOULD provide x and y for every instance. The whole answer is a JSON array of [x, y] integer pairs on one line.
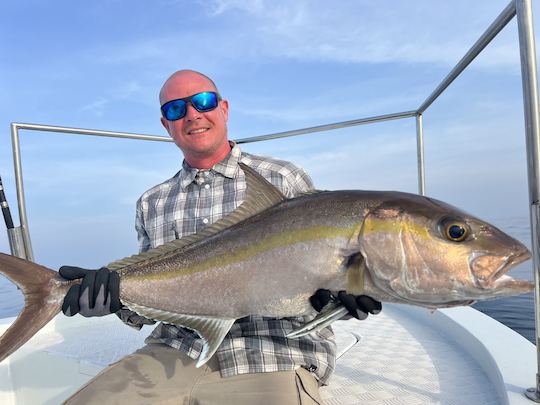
[[405, 355]]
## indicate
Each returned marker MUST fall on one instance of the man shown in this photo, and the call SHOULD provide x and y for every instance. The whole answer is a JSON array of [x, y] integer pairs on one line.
[[256, 363]]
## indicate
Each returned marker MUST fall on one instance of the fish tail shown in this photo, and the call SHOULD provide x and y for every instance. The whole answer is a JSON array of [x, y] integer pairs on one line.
[[44, 291]]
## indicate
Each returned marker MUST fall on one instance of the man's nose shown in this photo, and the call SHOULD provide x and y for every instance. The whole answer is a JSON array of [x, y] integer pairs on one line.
[[191, 112]]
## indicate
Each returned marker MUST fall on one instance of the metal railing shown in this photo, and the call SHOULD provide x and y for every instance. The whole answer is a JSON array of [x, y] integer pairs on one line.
[[521, 8]]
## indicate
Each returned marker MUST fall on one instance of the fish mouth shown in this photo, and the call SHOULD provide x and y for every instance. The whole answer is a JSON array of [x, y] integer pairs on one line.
[[490, 270]]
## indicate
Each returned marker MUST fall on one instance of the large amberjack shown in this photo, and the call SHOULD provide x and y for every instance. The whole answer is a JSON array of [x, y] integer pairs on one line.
[[271, 254]]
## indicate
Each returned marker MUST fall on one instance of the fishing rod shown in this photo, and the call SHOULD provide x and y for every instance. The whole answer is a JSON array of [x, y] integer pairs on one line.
[[16, 243], [5, 207]]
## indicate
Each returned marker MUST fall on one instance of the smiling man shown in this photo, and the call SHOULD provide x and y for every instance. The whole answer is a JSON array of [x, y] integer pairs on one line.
[[255, 363], [201, 135]]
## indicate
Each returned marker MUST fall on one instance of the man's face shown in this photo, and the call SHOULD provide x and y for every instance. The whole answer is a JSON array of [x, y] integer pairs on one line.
[[198, 134]]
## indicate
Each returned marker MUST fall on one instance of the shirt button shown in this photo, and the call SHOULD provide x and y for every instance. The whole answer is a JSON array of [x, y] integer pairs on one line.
[[205, 221], [207, 186]]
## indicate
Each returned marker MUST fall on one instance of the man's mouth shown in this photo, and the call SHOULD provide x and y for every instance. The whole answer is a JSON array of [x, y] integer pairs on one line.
[[197, 131]]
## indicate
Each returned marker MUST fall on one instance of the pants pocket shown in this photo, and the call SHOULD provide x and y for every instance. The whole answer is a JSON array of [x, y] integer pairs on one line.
[[308, 388]]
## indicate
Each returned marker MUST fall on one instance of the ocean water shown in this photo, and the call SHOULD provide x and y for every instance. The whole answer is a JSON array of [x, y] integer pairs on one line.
[[515, 312]]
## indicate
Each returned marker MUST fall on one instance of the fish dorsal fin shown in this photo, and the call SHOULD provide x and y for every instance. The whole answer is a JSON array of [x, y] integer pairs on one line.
[[211, 329], [260, 195]]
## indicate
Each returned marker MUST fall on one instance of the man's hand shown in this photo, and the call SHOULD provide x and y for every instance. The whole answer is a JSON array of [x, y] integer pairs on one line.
[[359, 306], [97, 295]]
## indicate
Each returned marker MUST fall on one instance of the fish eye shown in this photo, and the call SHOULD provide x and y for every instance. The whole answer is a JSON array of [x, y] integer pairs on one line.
[[454, 230]]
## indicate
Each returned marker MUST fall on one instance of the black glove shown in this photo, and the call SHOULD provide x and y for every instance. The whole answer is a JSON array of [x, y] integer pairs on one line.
[[97, 295], [358, 306]]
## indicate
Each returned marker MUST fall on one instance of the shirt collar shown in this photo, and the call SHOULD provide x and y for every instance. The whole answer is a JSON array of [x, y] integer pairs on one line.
[[228, 167]]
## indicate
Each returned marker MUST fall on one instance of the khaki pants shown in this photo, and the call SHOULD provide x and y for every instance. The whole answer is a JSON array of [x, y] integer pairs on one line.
[[158, 374]]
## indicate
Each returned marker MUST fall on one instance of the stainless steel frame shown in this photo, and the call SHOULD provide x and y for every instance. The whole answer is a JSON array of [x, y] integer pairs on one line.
[[532, 133], [328, 127], [22, 232], [420, 154], [500, 22], [521, 8]]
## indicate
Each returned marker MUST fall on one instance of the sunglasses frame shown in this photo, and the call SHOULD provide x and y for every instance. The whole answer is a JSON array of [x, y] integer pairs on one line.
[[187, 100]]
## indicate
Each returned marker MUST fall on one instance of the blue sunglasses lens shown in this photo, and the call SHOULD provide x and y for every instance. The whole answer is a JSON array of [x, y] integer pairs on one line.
[[174, 110], [202, 102]]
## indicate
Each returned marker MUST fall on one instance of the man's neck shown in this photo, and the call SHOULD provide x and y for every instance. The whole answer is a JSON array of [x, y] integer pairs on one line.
[[207, 162]]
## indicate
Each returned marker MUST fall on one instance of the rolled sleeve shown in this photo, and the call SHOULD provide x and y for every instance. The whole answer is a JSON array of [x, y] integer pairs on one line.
[[133, 319], [142, 235], [298, 182]]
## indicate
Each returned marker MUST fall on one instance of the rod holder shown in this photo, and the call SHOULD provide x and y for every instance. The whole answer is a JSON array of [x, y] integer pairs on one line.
[[16, 242]]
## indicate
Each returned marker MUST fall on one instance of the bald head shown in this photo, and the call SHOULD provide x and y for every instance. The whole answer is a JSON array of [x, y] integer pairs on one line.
[[181, 80]]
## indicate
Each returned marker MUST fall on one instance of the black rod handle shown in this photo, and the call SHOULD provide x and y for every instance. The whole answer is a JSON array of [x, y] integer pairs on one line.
[[5, 208]]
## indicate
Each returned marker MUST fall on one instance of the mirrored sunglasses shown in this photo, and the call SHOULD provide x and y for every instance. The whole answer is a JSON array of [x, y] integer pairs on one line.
[[203, 102]]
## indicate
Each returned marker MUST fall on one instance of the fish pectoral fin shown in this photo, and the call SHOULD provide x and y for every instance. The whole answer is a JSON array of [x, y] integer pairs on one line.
[[330, 313], [356, 270], [211, 329]]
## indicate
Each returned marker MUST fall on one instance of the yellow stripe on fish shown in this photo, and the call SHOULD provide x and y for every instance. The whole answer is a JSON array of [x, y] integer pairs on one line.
[[271, 242], [380, 225]]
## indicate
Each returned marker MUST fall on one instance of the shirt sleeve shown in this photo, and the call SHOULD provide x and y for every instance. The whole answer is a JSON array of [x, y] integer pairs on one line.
[[297, 182], [142, 235], [133, 319]]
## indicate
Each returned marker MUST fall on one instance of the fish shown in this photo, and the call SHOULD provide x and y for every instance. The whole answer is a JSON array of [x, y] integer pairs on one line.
[[271, 254]]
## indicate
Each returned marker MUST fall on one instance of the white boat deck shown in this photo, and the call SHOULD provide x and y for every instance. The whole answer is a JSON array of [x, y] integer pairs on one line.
[[400, 360], [405, 355]]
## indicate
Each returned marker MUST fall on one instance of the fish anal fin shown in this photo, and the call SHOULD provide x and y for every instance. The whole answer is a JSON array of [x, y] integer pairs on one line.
[[211, 329]]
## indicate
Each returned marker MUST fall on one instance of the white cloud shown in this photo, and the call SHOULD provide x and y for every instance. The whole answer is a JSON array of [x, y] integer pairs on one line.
[[367, 32], [129, 89], [353, 31], [96, 107], [219, 7]]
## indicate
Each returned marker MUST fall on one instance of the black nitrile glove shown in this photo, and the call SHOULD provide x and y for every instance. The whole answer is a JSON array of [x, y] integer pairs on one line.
[[359, 306], [97, 295]]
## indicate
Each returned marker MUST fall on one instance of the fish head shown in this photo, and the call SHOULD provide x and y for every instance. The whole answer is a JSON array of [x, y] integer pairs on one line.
[[426, 252]]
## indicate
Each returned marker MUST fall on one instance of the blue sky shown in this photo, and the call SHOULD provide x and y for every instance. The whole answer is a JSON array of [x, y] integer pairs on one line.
[[282, 65]]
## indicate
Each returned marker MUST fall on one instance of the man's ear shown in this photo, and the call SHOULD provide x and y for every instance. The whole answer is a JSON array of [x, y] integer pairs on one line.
[[224, 105], [165, 123]]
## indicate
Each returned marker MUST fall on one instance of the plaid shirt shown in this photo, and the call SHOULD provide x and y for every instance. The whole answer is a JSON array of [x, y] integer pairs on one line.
[[193, 199]]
